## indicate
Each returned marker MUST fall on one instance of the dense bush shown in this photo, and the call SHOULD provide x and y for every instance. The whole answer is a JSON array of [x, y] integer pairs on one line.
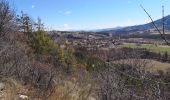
[[41, 42]]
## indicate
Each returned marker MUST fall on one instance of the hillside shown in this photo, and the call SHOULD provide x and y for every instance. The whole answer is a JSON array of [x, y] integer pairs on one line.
[[140, 28]]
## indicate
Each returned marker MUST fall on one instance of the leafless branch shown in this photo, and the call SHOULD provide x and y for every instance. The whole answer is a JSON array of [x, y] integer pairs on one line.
[[163, 24]]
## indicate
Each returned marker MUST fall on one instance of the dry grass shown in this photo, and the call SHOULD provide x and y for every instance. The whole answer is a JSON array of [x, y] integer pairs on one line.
[[71, 91], [10, 89], [151, 65], [155, 66]]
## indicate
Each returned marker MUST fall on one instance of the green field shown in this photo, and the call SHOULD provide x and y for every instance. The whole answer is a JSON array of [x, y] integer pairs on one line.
[[151, 47]]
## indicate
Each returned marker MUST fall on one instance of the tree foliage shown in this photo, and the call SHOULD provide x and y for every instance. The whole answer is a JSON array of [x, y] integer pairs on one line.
[[41, 42]]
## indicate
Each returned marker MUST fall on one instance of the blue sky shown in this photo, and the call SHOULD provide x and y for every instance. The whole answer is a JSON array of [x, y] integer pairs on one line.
[[91, 14]]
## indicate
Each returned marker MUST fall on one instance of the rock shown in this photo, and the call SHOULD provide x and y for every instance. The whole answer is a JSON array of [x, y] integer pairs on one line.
[[2, 86], [23, 97]]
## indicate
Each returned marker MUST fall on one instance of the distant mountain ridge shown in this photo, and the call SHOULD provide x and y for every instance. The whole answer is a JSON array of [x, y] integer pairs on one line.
[[140, 28], [107, 29]]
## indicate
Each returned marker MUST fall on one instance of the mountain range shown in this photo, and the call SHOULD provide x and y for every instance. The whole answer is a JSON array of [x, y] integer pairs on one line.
[[144, 28]]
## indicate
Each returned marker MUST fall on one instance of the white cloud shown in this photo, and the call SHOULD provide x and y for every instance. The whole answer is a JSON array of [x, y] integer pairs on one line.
[[65, 12], [33, 6], [65, 25]]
